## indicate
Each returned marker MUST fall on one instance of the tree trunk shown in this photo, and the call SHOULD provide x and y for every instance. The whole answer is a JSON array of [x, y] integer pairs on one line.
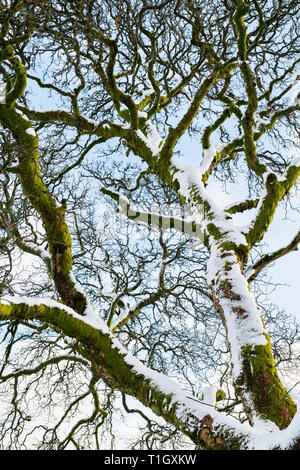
[[254, 372]]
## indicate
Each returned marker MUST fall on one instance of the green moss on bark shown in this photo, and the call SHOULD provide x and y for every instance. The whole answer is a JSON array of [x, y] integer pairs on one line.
[[276, 190], [261, 379], [6, 53], [110, 364], [53, 217]]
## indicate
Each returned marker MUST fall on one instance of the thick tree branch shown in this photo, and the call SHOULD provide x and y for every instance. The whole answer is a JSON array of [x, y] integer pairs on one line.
[[204, 425], [276, 189], [52, 215], [190, 227]]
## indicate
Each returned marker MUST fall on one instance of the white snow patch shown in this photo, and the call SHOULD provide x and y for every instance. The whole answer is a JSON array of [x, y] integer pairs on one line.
[[153, 135], [187, 405], [209, 155], [2, 92], [91, 318], [123, 107], [43, 253], [242, 329], [150, 142], [190, 178], [142, 114], [295, 95], [144, 95], [123, 314], [258, 121], [30, 131], [209, 394]]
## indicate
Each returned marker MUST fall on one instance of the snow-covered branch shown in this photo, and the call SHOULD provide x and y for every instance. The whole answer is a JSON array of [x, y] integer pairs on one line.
[[202, 422]]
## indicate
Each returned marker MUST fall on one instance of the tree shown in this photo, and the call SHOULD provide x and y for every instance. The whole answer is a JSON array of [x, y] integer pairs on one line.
[[134, 78]]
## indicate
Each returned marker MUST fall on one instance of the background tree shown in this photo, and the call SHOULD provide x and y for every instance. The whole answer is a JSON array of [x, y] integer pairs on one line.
[[126, 82]]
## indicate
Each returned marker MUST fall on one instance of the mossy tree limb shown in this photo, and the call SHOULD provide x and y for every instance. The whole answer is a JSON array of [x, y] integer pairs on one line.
[[248, 119], [205, 426], [52, 215], [174, 134], [275, 192], [257, 377], [238, 318], [254, 372]]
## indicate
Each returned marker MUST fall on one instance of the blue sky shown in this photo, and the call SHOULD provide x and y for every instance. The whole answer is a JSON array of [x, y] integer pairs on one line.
[[284, 227]]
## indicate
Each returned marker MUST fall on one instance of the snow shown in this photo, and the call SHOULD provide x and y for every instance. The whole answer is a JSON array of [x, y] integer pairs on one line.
[[22, 114], [295, 95], [30, 131], [233, 204], [150, 141], [90, 318], [142, 114], [2, 92], [262, 440], [157, 219], [209, 155], [123, 107], [295, 162], [50, 110], [92, 121], [209, 394], [190, 178], [263, 437], [258, 121], [43, 253], [144, 95], [123, 314], [249, 272], [90, 315], [188, 408], [153, 135], [242, 329], [186, 176]]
